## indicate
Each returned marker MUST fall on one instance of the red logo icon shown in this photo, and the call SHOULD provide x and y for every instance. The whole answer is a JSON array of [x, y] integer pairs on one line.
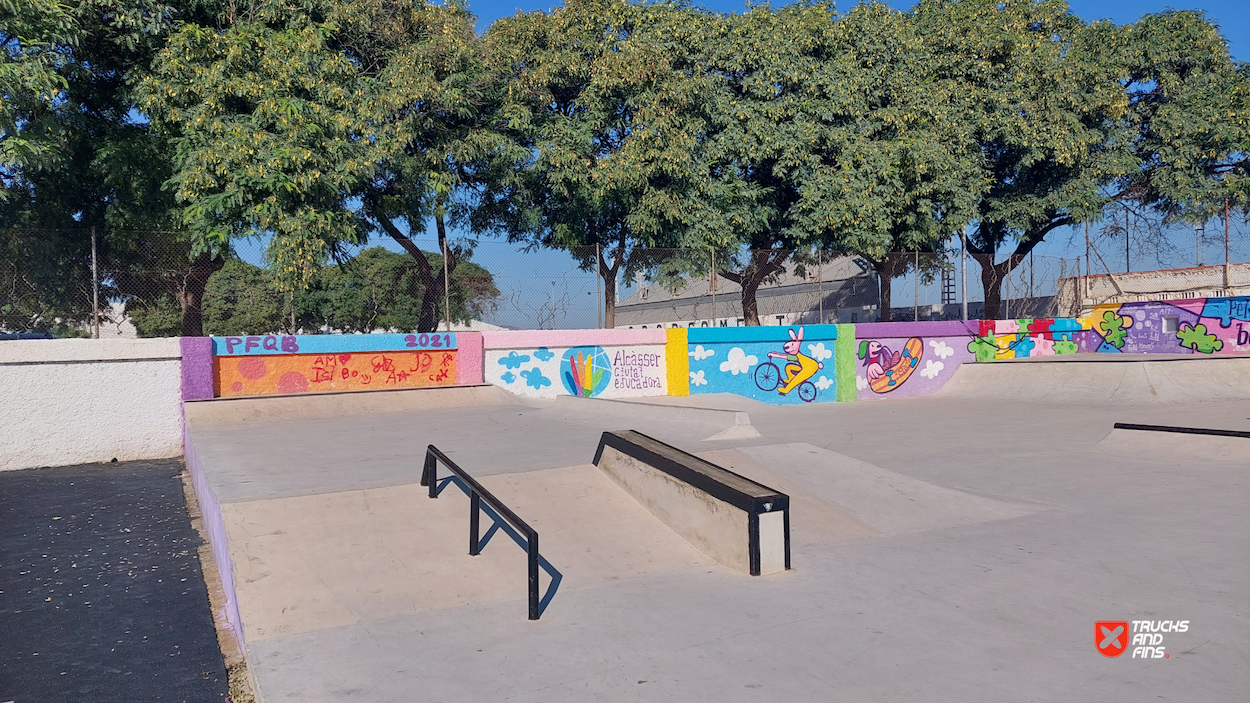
[[1111, 637]]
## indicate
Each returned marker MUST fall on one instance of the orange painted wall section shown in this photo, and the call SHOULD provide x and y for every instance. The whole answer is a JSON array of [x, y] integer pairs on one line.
[[312, 373]]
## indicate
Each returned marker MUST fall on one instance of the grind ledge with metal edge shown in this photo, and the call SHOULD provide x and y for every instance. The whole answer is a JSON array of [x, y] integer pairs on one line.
[[734, 520]]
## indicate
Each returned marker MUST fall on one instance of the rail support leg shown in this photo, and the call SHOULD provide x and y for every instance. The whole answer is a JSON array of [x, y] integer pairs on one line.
[[475, 547], [533, 564]]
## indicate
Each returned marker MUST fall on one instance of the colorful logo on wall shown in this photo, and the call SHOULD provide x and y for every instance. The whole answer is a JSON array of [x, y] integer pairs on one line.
[[586, 371], [886, 369]]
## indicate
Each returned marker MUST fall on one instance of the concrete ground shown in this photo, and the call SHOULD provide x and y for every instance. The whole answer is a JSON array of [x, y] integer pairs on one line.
[[953, 548], [101, 593]]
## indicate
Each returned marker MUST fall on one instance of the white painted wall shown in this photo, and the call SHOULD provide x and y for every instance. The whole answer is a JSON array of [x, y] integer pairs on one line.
[[74, 401]]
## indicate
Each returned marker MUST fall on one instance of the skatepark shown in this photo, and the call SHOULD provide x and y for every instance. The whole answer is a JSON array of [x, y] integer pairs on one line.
[[938, 511], [952, 547]]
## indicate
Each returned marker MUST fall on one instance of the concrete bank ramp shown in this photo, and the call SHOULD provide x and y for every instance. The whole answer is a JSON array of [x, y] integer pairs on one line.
[[1104, 378], [313, 562], [732, 424], [835, 498]]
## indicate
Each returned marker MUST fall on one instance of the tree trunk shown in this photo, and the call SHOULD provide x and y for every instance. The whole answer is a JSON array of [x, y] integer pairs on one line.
[[427, 319], [608, 274], [992, 276], [191, 294], [451, 261], [761, 266], [885, 310]]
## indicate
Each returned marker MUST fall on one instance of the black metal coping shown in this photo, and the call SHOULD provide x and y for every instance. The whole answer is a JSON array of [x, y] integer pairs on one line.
[[717, 481], [1183, 430]]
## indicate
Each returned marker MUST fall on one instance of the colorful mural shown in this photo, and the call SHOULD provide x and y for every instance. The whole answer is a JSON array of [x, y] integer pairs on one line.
[[901, 359], [589, 371], [271, 344], [1194, 326], [311, 373], [1023, 338], [774, 364]]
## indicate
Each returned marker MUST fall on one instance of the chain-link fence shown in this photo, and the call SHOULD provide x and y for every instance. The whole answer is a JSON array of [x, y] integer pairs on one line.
[[147, 284]]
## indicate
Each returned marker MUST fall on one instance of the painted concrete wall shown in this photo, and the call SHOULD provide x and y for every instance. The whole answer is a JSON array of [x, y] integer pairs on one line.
[[72, 401], [779, 365], [617, 363], [904, 359], [284, 365]]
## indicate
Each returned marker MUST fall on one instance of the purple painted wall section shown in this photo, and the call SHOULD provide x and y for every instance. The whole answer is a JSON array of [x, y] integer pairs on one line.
[[210, 510], [469, 358], [903, 367], [197, 367]]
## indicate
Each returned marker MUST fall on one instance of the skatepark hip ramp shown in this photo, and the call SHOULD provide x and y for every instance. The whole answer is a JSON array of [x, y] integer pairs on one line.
[[1104, 378]]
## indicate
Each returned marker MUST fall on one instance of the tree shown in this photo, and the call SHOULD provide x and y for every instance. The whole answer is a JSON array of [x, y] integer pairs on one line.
[[887, 172], [1039, 94], [75, 164], [604, 118], [321, 123]]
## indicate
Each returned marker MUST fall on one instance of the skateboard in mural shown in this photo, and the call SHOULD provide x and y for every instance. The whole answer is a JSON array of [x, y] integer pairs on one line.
[[887, 370], [799, 369]]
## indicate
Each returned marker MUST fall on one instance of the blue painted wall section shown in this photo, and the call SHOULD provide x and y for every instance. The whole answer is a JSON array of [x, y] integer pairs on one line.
[[781, 365], [331, 343]]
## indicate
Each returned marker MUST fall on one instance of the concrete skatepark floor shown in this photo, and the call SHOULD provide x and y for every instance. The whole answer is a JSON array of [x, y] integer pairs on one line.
[[101, 593], [953, 548]]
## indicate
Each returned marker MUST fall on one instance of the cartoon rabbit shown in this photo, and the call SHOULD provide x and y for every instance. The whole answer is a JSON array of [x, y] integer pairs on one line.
[[799, 367]]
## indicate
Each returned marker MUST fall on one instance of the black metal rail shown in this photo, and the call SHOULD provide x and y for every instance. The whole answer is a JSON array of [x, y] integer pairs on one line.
[[1182, 430], [478, 493]]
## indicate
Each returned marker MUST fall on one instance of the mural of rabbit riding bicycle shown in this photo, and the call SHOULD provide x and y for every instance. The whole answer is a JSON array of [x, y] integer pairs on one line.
[[795, 374]]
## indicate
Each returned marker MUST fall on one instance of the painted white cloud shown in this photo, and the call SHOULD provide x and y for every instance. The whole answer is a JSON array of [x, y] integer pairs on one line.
[[700, 353], [697, 378], [738, 362], [819, 352], [823, 383], [861, 383], [941, 349], [932, 368]]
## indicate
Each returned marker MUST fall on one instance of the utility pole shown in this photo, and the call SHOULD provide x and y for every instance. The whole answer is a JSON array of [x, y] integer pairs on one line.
[[712, 285], [915, 299], [1227, 279], [1086, 295], [963, 269], [95, 290], [1128, 265]]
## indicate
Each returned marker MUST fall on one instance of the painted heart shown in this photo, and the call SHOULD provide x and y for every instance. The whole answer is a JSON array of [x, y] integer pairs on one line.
[[344, 357]]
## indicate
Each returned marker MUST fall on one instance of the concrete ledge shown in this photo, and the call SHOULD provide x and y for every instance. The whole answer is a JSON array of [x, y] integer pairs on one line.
[[306, 406], [52, 351], [737, 420], [736, 521]]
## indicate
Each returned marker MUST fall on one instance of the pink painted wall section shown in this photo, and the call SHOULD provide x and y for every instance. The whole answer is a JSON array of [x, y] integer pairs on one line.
[[531, 339], [469, 358]]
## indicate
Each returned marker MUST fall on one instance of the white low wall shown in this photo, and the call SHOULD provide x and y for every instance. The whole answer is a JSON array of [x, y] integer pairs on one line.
[[74, 401]]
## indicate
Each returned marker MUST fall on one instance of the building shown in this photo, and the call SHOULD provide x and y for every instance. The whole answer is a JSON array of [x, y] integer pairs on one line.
[[843, 290]]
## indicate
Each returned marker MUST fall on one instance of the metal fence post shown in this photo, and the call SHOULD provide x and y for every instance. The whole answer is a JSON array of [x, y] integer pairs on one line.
[[446, 286], [963, 269], [95, 290], [598, 285]]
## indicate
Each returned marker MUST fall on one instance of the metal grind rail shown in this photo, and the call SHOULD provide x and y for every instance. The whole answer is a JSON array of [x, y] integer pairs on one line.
[[478, 493]]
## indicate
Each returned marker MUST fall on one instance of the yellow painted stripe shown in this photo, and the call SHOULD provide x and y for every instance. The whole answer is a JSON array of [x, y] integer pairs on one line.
[[677, 361]]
